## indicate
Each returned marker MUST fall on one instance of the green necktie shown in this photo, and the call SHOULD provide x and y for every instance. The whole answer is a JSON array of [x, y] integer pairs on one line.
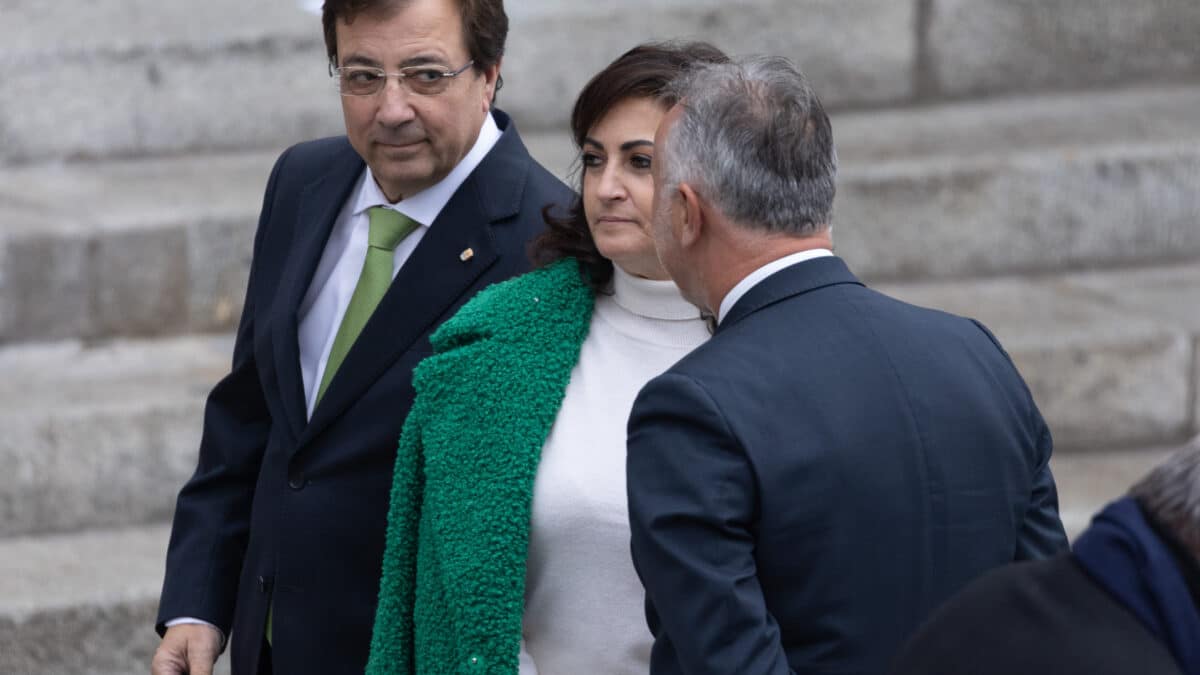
[[388, 229]]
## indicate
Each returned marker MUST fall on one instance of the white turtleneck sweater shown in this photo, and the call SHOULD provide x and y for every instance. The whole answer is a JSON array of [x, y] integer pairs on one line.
[[584, 610]]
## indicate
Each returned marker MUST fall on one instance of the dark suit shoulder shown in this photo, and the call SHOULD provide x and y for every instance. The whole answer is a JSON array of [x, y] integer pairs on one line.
[[313, 156], [1038, 617], [308, 163], [321, 147], [511, 184]]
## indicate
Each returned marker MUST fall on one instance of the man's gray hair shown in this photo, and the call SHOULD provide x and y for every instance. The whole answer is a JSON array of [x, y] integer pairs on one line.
[[754, 140], [1171, 493]]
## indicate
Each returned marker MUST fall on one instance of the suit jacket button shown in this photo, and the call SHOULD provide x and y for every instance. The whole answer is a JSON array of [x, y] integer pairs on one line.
[[296, 481], [264, 584]]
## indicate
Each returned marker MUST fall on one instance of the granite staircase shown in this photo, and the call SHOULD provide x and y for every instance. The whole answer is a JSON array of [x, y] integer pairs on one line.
[[1033, 164]]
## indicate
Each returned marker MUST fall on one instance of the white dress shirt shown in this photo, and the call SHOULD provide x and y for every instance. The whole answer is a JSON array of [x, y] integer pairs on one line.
[[751, 280], [341, 264], [337, 274]]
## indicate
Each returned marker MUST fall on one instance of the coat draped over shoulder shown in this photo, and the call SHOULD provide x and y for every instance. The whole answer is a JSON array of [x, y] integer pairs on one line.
[[452, 591]]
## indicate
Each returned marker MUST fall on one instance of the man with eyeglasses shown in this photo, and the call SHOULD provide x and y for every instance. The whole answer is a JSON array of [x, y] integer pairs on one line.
[[365, 244]]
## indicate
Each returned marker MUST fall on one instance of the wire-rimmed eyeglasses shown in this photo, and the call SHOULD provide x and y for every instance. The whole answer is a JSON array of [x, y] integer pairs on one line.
[[368, 80]]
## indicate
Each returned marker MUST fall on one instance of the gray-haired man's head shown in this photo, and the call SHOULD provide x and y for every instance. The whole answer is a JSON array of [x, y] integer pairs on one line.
[[754, 140], [1171, 493]]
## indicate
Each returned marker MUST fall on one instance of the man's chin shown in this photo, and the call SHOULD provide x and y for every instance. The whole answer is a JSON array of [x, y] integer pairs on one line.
[[403, 177]]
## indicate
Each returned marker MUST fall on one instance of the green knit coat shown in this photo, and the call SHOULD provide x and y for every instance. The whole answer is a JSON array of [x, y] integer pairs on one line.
[[453, 587]]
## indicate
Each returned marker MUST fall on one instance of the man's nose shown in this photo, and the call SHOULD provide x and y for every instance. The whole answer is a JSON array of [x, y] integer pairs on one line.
[[395, 104]]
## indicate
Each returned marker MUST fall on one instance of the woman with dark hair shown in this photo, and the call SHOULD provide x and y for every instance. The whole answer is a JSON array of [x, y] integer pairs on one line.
[[508, 536]]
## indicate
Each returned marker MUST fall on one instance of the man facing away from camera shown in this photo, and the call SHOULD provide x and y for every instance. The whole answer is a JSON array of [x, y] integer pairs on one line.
[[808, 485], [365, 243]]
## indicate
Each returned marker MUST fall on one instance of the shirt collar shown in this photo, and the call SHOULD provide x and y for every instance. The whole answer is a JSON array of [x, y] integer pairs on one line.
[[424, 206], [751, 280]]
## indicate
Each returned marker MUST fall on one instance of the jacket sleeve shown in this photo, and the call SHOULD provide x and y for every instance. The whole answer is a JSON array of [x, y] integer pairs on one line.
[[1041, 534], [212, 514], [692, 506], [392, 641]]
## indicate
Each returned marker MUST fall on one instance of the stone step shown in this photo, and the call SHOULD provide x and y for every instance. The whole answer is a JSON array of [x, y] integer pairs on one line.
[[101, 435], [105, 434], [82, 603], [1030, 184], [137, 77], [163, 247], [1088, 481], [1111, 357], [985, 47], [86, 602]]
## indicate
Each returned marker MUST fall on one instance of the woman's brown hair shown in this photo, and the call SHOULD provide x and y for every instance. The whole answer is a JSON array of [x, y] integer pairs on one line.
[[642, 72]]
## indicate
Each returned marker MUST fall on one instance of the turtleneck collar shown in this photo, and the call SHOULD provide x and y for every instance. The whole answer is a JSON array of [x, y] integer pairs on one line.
[[649, 298]]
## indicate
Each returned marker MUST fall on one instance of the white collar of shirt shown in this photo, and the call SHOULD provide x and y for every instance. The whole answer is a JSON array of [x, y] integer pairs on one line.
[[425, 205], [752, 279], [336, 277]]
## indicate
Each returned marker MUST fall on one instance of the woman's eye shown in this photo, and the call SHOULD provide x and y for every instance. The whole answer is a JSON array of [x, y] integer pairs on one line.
[[640, 161], [591, 159]]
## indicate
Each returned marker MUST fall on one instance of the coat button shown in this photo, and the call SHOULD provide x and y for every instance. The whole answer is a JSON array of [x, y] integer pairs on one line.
[[475, 664], [296, 480]]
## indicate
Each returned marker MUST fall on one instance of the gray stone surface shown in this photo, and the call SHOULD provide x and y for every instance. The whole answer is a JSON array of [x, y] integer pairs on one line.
[[135, 78], [1101, 378], [1088, 481], [980, 47], [1037, 183], [145, 78], [44, 289], [856, 53], [1148, 114], [100, 435], [114, 78], [140, 282], [219, 254], [1036, 211], [167, 103], [1166, 293], [163, 247], [82, 603], [1169, 294], [36, 31]]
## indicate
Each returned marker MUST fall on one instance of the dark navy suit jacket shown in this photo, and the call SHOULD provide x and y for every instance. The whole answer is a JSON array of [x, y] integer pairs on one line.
[[805, 487], [293, 511]]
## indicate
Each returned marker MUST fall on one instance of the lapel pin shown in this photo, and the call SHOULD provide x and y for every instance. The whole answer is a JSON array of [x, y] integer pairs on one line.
[[466, 255]]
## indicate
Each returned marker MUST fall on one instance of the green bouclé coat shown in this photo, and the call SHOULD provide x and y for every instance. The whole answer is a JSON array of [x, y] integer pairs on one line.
[[453, 587]]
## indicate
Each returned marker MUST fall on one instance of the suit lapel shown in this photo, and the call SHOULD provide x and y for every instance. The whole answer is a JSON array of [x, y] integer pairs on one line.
[[433, 279], [787, 282], [318, 206]]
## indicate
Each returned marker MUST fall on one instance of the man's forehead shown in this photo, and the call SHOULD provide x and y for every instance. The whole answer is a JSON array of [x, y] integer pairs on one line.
[[426, 23]]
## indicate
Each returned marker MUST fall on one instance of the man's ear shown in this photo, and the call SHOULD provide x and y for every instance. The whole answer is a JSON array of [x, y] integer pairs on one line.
[[691, 226], [491, 84]]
